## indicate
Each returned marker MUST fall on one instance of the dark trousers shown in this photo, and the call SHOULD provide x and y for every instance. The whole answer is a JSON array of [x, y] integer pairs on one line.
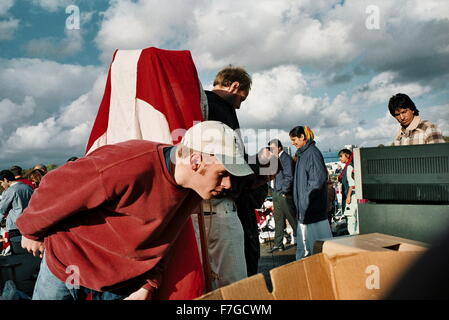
[[16, 245], [251, 236], [283, 208]]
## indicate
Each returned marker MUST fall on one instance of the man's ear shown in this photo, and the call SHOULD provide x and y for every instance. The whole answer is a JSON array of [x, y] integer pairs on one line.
[[195, 160], [235, 87]]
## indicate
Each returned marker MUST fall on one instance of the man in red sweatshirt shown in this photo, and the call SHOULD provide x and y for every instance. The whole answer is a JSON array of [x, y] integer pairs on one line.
[[108, 220]]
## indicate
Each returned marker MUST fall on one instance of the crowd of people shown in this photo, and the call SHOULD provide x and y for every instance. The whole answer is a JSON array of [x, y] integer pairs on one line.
[[312, 188], [17, 187], [88, 225]]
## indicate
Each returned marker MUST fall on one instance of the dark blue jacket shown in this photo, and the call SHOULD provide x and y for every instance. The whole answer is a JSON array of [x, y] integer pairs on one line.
[[310, 185], [283, 182]]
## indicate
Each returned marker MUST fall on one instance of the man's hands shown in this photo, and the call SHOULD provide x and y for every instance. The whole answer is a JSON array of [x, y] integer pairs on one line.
[[33, 246], [141, 294], [269, 163]]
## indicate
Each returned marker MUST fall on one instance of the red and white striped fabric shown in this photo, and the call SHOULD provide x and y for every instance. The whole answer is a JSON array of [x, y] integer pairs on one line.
[[155, 95], [5, 245]]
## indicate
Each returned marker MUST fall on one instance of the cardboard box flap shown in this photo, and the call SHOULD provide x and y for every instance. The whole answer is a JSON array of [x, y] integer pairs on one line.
[[367, 242], [213, 295], [252, 288], [305, 279], [368, 275]]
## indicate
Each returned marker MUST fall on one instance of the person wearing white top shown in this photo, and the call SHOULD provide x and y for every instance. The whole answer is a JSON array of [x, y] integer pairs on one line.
[[350, 202]]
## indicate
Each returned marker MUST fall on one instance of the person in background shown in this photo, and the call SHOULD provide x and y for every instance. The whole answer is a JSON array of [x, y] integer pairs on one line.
[[41, 167], [36, 176], [348, 192], [14, 200], [284, 207], [413, 129], [331, 196], [17, 171], [309, 192]]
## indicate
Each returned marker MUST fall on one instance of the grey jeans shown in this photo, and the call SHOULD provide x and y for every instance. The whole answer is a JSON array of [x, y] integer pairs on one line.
[[225, 241]]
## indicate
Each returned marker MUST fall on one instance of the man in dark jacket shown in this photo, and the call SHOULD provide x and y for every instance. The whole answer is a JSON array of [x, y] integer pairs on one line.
[[309, 192], [282, 196], [233, 239]]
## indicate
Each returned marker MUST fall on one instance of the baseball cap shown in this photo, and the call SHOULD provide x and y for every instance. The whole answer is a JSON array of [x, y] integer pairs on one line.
[[216, 138]]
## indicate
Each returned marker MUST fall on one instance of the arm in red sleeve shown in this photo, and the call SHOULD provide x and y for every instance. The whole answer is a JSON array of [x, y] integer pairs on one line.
[[74, 187], [154, 277]]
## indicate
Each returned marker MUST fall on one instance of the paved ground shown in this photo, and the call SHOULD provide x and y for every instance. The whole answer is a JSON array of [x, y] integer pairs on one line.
[[269, 260]]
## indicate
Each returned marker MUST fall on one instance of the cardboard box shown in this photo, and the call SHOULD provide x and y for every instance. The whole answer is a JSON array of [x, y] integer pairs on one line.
[[366, 242], [359, 269]]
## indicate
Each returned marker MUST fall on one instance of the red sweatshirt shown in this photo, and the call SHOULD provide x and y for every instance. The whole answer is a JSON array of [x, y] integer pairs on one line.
[[114, 214]]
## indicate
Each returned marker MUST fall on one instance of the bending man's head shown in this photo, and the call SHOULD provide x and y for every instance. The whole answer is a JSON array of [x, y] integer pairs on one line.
[[233, 85], [206, 158]]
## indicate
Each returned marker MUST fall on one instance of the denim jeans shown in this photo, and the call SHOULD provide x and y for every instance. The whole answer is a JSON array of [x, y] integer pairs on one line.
[[48, 287]]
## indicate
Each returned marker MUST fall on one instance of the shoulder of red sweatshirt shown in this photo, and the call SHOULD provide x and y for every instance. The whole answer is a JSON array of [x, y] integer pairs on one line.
[[27, 182]]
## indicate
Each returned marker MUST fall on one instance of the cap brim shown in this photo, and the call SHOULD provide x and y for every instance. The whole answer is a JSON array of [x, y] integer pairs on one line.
[[239, 169]]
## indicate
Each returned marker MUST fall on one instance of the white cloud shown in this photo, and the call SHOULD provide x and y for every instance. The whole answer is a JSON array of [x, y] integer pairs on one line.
[[262, 34], [7, 28], [47, 109], [438, 115], [48, 134], [52, 5], [71, 44], [427, 10], [14, 114], [83, 110], [280, 99], [86, 17], [134, 25], [50, 83], [385, 85], [5, 5], [35, 136], [253, 34], [62, 135], [11, 112]]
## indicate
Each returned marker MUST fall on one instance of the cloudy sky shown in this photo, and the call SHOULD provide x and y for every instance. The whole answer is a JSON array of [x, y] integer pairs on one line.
[[328, 64]]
